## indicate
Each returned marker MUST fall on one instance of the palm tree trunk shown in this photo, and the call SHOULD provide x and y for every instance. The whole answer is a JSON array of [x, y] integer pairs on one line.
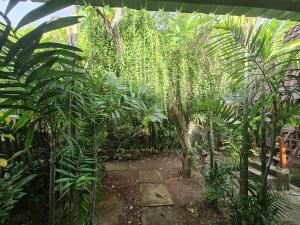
[[52, 181], [186, 160], [263, 137], [94, 183], [273, 143], [184, 141], [212, 144], [244, 162]]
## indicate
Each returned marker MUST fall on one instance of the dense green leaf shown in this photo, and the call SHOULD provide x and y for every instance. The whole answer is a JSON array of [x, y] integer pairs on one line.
[[53, 45], [50, 94]]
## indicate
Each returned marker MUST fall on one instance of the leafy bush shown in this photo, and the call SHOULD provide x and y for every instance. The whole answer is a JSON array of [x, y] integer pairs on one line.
[[135, 120], [12, 182], [222, 192], [218, 181], [263, 210], [76, 176]]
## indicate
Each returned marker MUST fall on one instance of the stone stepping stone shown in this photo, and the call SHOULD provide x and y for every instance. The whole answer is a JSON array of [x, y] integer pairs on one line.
[[108, 211], [140, 165], [154, 194], [161, 215], [116, 166], [150, 176]]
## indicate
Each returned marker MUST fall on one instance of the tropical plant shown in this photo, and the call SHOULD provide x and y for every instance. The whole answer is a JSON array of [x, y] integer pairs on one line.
[[218, 182], [76, 170], [221, 191], [12, 182], [35, 78], [255, 53], [163, 50]]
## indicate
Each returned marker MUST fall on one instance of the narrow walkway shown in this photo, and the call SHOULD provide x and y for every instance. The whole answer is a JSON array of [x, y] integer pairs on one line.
[[151, 192], [156, 201]]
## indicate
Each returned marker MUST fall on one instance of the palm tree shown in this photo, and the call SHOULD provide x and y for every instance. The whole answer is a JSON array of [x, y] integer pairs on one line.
[[254, 51], [34, 78]]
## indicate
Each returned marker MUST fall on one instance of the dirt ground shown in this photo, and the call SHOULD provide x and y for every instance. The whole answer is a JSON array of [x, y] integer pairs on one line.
[[187, 194]]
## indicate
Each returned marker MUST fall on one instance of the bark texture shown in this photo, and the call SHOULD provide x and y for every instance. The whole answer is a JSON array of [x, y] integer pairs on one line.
[[184, 140]]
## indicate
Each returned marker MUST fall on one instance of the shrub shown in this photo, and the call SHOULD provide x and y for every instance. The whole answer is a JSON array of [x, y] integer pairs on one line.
[[12, 182]]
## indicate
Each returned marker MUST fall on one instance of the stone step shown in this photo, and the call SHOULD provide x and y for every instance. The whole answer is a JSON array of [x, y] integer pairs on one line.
[[274, 171], [255, 175], [279, 182], [254, 164], [161, 216], [253, 172], [294, 188], [109, 211], [275, 161], [155, 194]]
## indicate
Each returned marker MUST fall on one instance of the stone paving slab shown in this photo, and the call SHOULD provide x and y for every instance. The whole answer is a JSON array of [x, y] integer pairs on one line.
[[108, 211], [161, 216], [150, 176], [140, 165], [155, 195], [116, 166], [294, 202]]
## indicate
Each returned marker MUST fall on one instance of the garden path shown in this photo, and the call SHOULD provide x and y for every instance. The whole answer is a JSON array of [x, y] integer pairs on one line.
[[152, 192]]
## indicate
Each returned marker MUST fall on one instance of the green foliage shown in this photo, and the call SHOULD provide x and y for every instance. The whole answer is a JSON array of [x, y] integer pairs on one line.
[[155, 49], [255, 53], [35, 83], [219, 181], [131, 111], [12, 182], [269, 209], [202, 64], [76, 169], [164, 136], [32, 76], [222, 192]]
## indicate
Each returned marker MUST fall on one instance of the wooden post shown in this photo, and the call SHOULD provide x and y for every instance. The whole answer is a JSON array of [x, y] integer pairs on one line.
[[282, 152]]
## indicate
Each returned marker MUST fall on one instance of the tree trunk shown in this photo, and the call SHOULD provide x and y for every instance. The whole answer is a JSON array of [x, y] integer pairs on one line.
[[94, 183], [184, 141], [246, 145], [274, 136], [52, 181], [186, 160], [244, 163], [212, 144], [263, 138]]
